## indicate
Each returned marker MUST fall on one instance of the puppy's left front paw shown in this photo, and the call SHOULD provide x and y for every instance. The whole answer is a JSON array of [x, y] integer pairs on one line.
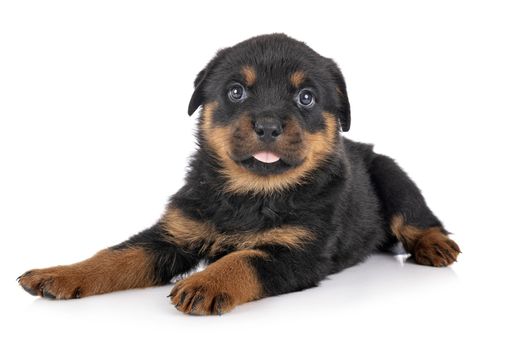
[[200, 294], [224, 284]]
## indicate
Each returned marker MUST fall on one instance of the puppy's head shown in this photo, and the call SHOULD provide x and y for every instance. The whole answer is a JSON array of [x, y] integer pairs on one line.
[[272, 111]]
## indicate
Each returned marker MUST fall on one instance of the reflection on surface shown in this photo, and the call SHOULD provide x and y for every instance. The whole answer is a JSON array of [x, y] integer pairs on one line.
[[382, 278]]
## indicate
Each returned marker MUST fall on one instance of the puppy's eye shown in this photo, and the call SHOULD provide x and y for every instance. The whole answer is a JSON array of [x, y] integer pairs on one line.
[[306, 98], [237, 93]]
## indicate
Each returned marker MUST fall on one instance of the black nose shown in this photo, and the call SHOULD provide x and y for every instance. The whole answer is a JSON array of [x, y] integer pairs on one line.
[[268, 130]]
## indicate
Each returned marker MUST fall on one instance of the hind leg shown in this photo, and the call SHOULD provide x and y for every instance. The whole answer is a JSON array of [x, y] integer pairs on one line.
[[411, 220]]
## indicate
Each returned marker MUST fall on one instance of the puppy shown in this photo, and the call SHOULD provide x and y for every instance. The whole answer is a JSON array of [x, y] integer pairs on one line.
[[275, 198]]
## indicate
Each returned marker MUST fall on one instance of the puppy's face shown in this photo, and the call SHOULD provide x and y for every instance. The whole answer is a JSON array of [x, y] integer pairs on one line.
[[272, 109]]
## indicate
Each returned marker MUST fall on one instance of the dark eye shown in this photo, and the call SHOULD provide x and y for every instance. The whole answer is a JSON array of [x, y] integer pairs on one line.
[[306, 98], [237, 93]]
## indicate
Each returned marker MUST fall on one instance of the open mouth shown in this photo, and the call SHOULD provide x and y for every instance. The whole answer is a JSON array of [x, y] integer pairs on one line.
[[265, 162]]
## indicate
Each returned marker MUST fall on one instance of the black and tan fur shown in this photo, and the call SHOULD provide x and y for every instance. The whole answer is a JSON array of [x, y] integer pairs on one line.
[[265, 228]]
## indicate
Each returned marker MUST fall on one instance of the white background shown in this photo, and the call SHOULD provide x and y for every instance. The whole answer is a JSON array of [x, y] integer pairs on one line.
[[94, 137]]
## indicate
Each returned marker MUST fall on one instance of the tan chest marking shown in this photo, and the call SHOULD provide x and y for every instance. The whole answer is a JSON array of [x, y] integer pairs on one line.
[[203, 236]]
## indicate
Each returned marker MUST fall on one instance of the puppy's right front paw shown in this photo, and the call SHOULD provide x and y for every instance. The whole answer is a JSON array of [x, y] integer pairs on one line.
[[53, 283]]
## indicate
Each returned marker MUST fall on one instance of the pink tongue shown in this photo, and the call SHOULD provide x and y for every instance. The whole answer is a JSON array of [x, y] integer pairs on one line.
[[266, 157]]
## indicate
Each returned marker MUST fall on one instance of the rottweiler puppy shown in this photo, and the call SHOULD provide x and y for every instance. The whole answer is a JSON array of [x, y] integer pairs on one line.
[[275, 199]]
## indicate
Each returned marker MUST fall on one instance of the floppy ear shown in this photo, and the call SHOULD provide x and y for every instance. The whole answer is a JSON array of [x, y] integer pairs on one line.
[[198, 97], [343, 105], [198, 94]]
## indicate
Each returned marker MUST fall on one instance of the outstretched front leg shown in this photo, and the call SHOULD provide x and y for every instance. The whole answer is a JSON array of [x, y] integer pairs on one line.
[[244, 276], [411, 220], [244, 266], [146, 259], [227, 282]]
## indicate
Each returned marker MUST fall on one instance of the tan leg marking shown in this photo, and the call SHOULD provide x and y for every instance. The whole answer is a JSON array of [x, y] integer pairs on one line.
[[107, 271], [429, 246], [228, 282]]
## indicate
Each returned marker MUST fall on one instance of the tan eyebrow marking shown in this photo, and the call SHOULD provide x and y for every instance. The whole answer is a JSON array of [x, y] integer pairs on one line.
[[297, 78], [249, 75]]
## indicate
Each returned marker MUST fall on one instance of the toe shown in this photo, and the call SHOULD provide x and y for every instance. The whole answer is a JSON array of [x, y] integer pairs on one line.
[[196, 305], [29, 290], [48, 295]]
